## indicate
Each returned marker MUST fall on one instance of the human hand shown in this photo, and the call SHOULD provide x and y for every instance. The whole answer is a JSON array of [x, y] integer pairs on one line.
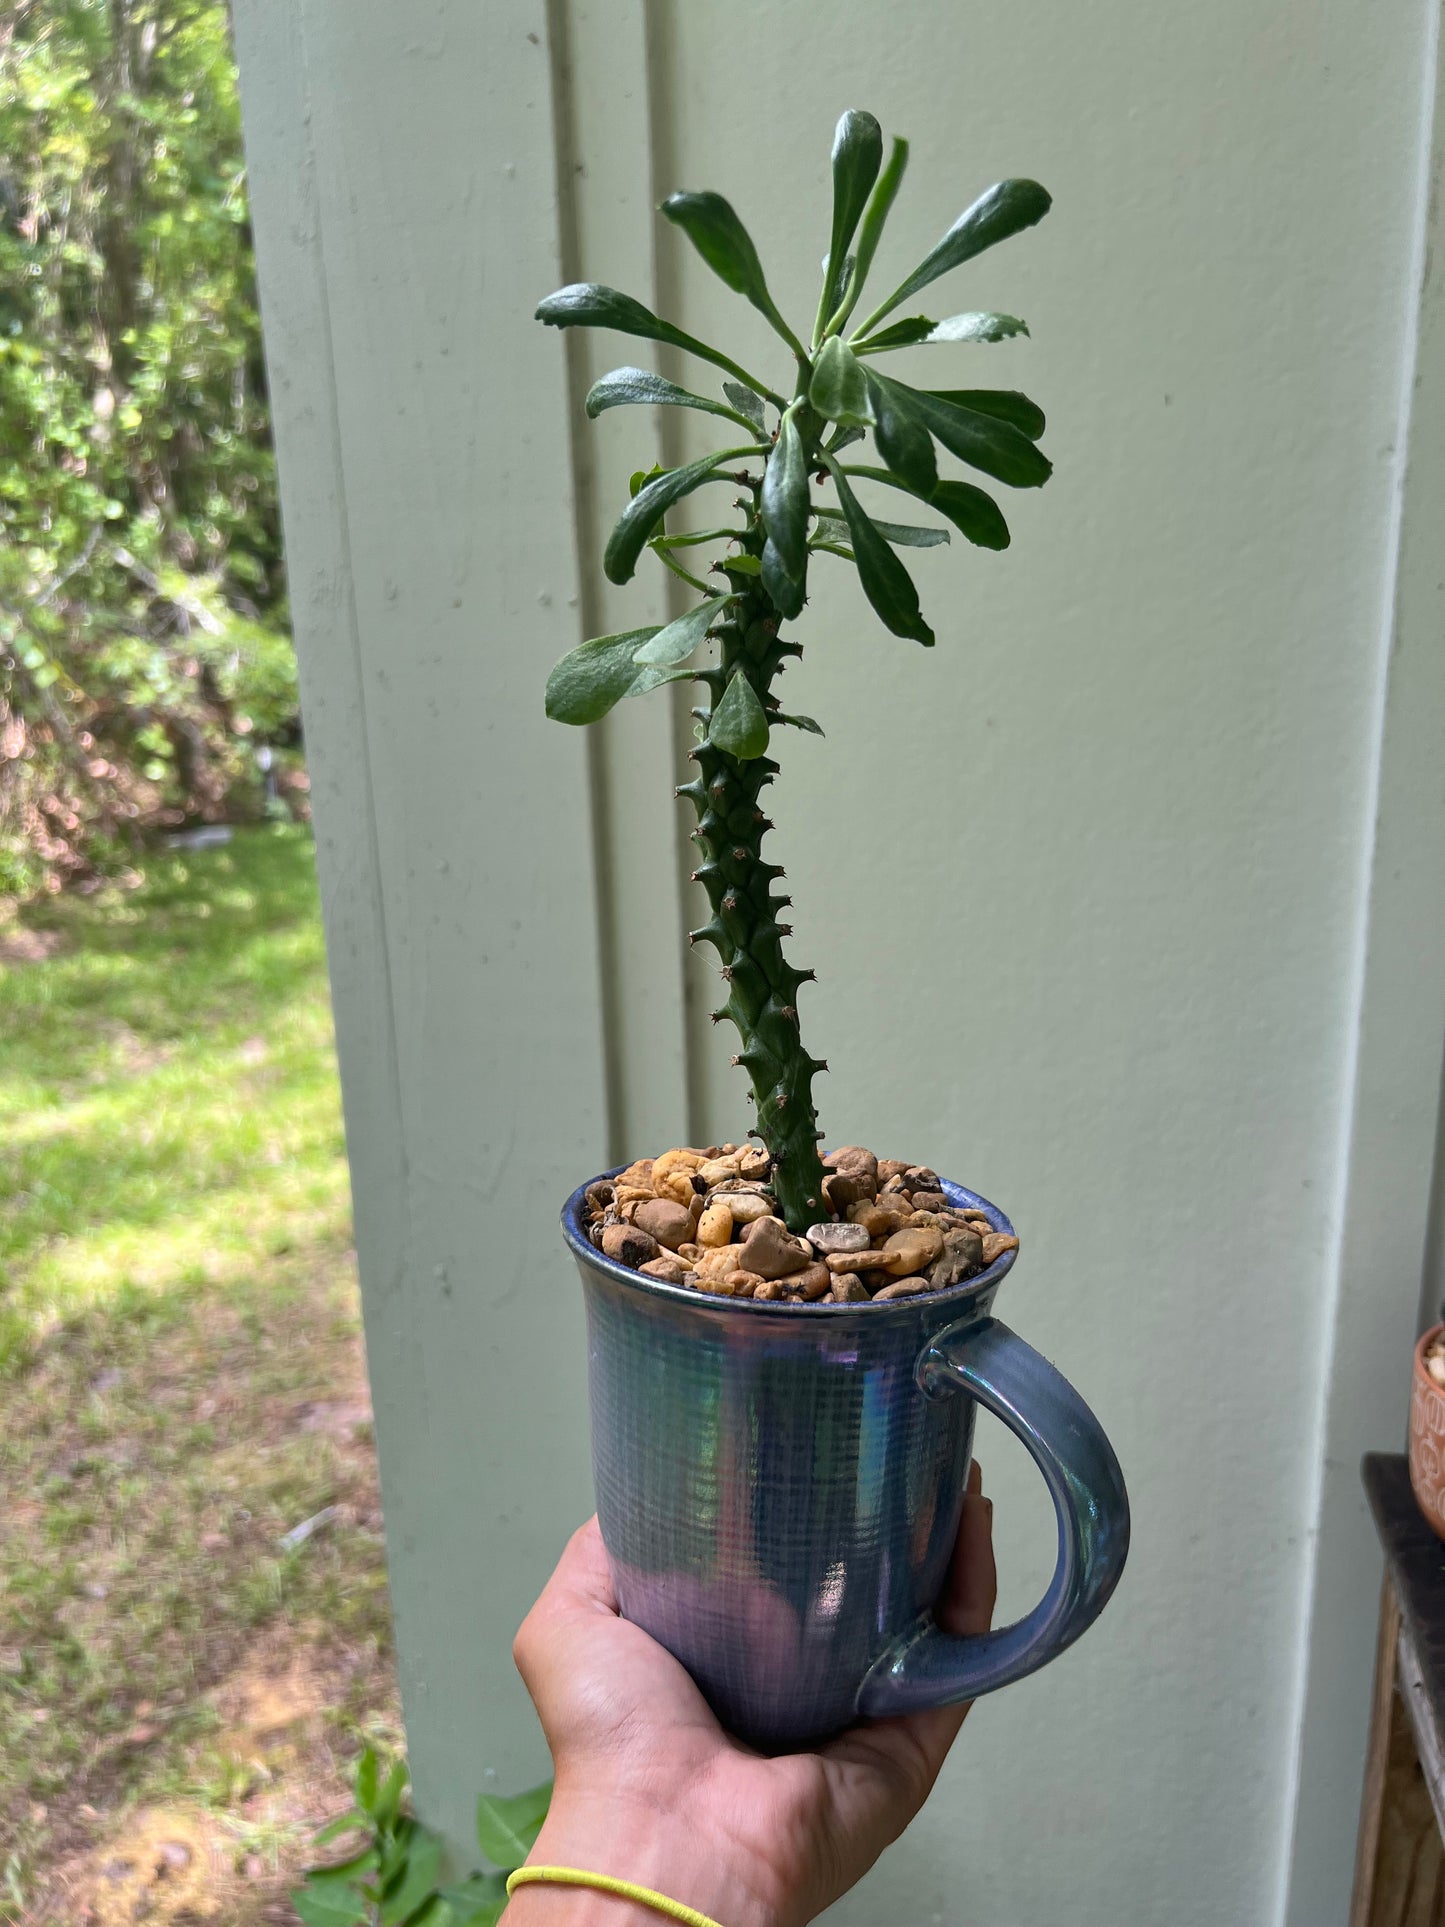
[[650, 1789]]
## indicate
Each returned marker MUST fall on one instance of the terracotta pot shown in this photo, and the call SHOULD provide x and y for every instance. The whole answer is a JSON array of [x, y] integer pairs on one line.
[[1427, 1437]]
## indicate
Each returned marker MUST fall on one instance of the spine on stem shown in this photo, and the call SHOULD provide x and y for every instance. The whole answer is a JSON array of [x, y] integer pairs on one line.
[[744, 927]]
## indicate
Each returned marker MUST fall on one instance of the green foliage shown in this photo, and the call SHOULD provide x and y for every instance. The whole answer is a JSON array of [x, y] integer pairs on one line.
[[838, 397], [142, 653], [394, 1878]]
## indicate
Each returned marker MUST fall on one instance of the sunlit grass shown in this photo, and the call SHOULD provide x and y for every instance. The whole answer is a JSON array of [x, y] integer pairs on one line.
[[168, 1096], [179, 1342]]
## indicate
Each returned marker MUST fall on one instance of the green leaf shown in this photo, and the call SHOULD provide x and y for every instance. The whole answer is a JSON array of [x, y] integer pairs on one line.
[[788, 595], [747, 403], [875, 216], [984, 442], [903, 535], [320, 1909], [507, 1829], [478, 1901], [368, 1769], [1004, 404], [714, 229], [857, 157], [901, 433], [594, 676], [785, 499], [800, 722], [974, 514], [418, 1880], [739, 724], [957, 327], [1004, 209], [886, 583], [743, 564], [588, 304], [388, 1801], [650, 503], [839, 388], [343, 1823], [677, 640], [625, 386]]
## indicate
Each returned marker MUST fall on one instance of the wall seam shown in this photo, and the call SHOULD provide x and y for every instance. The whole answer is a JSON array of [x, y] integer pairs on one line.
[[1359, 963]]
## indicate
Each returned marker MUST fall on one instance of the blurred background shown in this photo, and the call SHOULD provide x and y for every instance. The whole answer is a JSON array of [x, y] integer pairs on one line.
[[182, 1684]]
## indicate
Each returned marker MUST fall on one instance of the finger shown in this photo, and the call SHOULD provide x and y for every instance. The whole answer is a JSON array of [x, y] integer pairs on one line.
[[907, 1753], [971, 1591], [583, 1577]]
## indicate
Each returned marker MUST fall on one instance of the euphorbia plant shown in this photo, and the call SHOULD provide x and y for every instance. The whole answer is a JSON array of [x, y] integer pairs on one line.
[[839, 395]]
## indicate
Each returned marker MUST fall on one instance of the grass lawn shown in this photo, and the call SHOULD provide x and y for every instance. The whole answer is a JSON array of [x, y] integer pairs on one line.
[[181, 1384]]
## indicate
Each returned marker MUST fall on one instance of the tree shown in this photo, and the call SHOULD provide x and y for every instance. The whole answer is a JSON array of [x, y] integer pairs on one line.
[[142, 646]]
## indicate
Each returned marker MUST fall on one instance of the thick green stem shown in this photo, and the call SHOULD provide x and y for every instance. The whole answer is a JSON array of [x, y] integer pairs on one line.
[[762, 985]]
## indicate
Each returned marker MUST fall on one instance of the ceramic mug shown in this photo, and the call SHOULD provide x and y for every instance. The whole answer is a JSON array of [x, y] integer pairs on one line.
[[779, 1489]]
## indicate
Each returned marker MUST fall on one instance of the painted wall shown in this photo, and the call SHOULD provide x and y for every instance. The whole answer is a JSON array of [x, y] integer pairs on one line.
[[1125, 901]]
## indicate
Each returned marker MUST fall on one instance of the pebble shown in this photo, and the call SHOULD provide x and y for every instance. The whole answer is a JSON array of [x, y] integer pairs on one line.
[[666, 1220], [812, 1282], [852, 1157], [911, 1250], [704, 1218], [844, 1188], [671, 1271], [995, 1244], [772, 1251], [902, 1288], [747, 1206], [629, 1245], [718, 1171], [744, 1283], [839, 1261], [1435, 1366], [715, 1226], [962, 1256], [717, 1260], [837, 1237], [849, 1289]]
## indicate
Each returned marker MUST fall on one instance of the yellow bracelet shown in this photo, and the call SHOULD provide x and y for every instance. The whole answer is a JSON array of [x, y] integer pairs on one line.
[[644, 1896]]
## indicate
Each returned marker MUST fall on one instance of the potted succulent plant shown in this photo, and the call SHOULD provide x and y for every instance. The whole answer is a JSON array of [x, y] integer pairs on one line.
[[787, 1348]]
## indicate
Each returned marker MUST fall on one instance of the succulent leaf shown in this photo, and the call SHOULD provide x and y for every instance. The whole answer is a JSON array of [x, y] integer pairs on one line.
[[649, 504], [839, 388], [919, 328], [1004, 404], [901, 433], [594, 676], [625, 386], [713, 227], [875, 216], [886, 583], [903, 535], [1000, 211], [975, 515], [787, 594], [739, 723], [748, 404], [857, 157], [984, 442], [677, 640], [785, 499]]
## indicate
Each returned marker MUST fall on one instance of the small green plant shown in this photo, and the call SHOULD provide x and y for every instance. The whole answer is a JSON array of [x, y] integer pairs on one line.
[[394, 1880], [838, 396]]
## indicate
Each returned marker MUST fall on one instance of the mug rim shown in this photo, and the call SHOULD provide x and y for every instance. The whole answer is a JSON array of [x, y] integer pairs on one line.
[[958, 1195]]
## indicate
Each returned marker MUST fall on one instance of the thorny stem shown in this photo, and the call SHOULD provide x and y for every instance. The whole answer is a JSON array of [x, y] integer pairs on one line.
[[744, 928]]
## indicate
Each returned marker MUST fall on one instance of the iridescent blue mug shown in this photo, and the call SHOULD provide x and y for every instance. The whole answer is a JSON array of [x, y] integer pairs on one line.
[[779, 1489]]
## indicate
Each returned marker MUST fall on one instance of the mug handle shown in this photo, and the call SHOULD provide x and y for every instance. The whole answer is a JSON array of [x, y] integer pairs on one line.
[[926, 1667]]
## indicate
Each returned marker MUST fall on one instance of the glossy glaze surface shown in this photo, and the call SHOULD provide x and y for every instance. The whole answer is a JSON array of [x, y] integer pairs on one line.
[[779, 1489]]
